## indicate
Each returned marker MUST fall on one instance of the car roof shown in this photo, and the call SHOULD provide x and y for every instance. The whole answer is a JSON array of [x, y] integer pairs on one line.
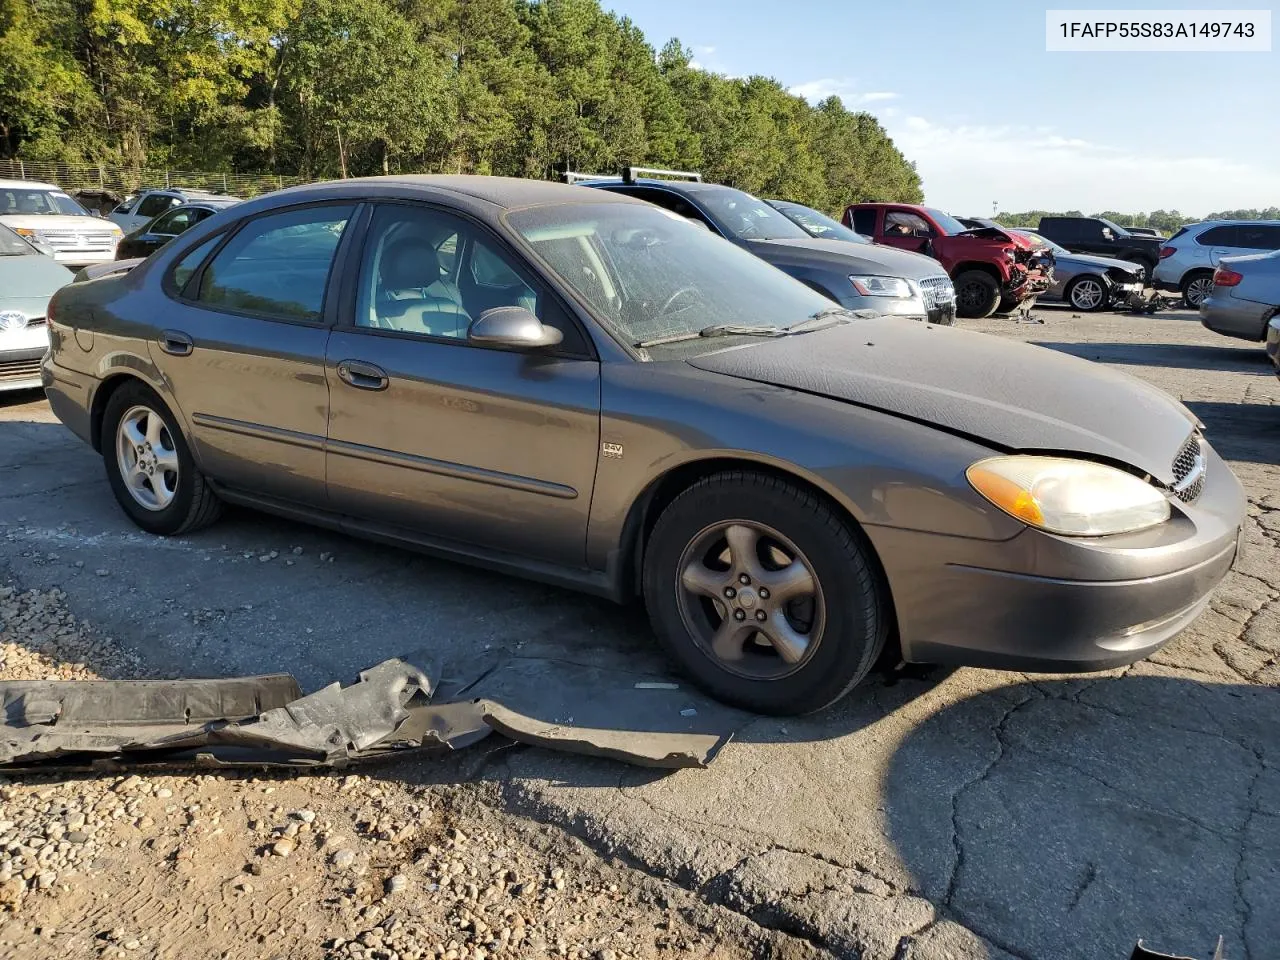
[[1230, 223], [676, 186], [506, 192], [28, 185]]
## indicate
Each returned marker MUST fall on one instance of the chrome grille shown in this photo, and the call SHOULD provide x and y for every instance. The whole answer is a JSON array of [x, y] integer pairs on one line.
[[1189, 470], [937, 292], [70, 239], [11, 370]]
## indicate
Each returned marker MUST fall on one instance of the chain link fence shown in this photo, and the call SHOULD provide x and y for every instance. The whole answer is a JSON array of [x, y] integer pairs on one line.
[[76, 176]]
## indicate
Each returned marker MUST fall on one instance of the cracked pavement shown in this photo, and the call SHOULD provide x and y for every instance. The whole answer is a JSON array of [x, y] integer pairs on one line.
[[940, 814]]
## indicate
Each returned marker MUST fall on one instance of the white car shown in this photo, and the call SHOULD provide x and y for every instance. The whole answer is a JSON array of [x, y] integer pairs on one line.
[[1189, 257], [43, 213], [139, 210]]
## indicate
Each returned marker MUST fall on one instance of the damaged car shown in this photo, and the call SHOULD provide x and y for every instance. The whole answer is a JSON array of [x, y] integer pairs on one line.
[[992, 269], [586, 389], [1090, 284]]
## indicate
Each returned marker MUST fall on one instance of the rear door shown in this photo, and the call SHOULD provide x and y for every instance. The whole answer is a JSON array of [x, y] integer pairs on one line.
[[434, 435], [163, 229], [1218, 242], [244, 349], [1258, 237]]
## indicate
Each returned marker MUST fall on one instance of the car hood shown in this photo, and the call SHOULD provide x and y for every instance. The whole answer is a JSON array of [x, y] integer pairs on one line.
[[871, 258], [28, 280], [50, 221], [1010, 395], [1003, 236], [1081, 260]]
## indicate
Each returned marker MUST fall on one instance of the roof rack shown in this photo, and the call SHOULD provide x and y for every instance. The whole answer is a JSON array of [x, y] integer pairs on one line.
[[629, 174], [572, 176]]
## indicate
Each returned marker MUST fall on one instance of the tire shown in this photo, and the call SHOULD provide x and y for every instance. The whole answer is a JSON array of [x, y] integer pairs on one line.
[[1196, 285], [159, 500], [977, 294], [834, 626], [1088, 294]]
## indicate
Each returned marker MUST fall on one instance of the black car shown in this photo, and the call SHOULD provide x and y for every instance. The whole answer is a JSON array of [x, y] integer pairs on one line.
[[1102, 237], [154, 235], [856, 275]]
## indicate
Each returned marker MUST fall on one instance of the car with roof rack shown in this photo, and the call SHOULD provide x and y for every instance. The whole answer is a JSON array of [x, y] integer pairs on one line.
[[140, 209], [858, 276]]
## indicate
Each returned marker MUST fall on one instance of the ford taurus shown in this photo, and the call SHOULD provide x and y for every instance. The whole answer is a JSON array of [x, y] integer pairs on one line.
[[586, 389]]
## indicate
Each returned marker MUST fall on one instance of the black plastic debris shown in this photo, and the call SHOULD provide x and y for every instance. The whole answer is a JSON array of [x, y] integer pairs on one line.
[[1142, 952]]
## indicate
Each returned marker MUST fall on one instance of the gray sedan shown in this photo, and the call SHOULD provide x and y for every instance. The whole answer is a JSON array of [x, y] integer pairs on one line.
[[1089, 283], [582, 388], [1244, 297]]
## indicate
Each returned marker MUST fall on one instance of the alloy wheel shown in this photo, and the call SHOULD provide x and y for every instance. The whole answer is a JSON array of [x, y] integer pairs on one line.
[[1087, 294], [147, 458], [1198, 289], [750, 599]]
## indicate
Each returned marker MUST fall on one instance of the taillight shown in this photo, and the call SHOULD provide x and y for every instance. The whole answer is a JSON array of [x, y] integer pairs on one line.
[[1226, 277], [1167, 252]]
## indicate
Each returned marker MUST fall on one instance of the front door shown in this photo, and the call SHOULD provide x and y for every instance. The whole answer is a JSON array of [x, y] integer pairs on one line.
[[906, 230], [432, 434], [244, 348]]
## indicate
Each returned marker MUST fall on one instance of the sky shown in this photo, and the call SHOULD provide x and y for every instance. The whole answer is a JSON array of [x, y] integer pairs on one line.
[[968, 92]]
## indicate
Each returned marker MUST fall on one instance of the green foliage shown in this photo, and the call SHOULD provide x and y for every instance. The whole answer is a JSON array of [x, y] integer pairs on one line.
[[353, 87]]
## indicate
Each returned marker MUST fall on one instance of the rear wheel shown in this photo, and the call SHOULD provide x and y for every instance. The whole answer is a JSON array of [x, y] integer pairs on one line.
[[150, 467], [1195, 287], [977, 294], [767, 598], [1088, 294]]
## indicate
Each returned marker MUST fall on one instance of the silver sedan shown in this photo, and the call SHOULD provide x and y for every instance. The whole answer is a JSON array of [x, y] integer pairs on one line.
[[1089, 283]]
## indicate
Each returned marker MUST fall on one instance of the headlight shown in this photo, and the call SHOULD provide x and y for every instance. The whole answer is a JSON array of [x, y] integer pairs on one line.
[[882, 286], [1072, 497]]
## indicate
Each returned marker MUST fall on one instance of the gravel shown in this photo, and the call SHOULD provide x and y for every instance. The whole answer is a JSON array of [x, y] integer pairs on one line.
[[346, 866]]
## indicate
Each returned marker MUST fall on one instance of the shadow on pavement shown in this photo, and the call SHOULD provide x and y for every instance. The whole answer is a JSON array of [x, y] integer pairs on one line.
[[1227, 358], [1241, 431], [1067, 818]]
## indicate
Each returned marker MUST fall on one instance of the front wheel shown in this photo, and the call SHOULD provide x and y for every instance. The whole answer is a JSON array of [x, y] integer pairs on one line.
[[977, 294], [150, 467], [1088, 294], [767, 598]]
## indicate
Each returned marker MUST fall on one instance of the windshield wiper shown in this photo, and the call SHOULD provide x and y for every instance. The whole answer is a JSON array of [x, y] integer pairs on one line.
[[716, 330], [823, 318]]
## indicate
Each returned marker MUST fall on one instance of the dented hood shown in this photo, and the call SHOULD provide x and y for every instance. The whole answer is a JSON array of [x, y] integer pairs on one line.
[[1004, 236], [1010, 395]]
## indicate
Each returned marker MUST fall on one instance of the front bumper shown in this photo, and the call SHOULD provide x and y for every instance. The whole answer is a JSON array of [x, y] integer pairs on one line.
[[1041, 602], [75, 259], [20, 369], [1243, 319]]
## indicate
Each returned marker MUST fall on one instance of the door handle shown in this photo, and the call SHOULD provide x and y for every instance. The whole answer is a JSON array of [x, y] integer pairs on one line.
[[176, 342], [364, 376]]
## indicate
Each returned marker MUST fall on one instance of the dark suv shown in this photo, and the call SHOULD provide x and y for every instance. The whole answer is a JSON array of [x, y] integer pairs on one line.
[[1102, 237], [859, 276]]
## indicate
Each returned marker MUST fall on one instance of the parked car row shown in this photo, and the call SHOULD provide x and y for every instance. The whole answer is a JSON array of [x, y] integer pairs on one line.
[[571, 384]]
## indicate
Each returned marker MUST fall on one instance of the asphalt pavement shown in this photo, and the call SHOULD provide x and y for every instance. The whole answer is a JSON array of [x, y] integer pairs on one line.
[[937, 814]]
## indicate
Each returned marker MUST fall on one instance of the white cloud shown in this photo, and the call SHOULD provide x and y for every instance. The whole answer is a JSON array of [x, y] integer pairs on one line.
[[815, 91], [704, 51], [966, 167]]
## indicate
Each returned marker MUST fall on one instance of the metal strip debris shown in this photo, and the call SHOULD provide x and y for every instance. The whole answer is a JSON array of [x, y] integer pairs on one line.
[[266, 721]]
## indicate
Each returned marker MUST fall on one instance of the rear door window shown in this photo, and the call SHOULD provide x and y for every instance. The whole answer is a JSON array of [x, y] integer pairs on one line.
[[277, 265], [156, 204], [1223, 236]]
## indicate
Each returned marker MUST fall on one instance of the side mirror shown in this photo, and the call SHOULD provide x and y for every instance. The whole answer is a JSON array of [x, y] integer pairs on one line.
[[512, 327], [44, 248]]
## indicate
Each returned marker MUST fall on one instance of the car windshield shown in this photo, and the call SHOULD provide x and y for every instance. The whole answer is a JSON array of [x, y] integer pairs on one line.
[[946, 221], [650, 274], [12, 245], [16, 201], [818, 224], [748, 217], [1118, 230]]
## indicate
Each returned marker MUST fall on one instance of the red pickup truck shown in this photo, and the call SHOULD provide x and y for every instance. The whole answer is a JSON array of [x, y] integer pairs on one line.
[[991, 268]]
